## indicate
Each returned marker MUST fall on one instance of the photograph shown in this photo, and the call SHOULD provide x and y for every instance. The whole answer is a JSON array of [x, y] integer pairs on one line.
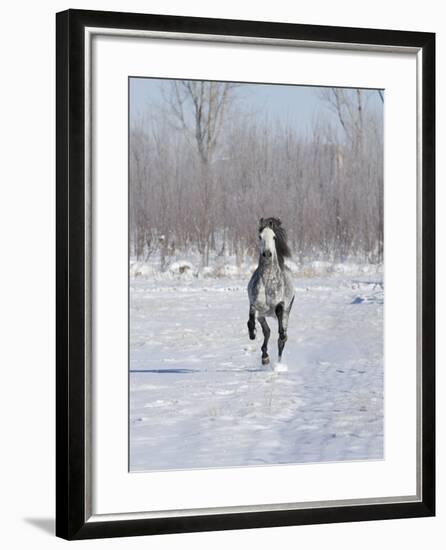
[[256, 274], [245, 273]]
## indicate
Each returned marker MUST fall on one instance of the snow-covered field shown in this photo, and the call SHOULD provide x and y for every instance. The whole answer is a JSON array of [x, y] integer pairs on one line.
[[200, 398]]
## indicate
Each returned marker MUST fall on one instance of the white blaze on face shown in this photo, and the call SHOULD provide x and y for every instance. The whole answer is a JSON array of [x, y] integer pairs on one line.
[[267, 243]]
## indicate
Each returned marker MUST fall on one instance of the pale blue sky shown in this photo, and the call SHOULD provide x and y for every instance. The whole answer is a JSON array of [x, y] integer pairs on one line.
[[297, 104]]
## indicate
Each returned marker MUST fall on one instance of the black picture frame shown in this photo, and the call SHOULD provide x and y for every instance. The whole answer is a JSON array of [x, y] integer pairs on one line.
[[72, 521]]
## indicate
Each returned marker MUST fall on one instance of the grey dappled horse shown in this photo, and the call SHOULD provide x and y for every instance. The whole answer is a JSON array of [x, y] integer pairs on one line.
[[271, 289]]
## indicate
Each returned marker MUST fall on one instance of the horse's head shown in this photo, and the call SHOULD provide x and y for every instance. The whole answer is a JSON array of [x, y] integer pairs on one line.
[[272, 239], [267, 243]]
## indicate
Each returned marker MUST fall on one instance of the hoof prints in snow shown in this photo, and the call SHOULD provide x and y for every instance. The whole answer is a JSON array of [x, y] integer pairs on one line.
[[200, 398]]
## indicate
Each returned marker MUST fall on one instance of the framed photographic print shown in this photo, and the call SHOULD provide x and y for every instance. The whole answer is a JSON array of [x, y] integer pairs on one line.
[[245, 274]]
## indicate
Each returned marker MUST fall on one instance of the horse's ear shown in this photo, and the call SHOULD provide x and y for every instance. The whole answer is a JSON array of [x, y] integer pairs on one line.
[[261, 222], [279, 221]]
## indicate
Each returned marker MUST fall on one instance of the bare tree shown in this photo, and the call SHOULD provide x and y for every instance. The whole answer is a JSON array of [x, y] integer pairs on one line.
[[199, 108], [348, 105]]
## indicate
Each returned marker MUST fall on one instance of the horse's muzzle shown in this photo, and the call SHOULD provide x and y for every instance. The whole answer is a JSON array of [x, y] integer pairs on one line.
[[267, 254]]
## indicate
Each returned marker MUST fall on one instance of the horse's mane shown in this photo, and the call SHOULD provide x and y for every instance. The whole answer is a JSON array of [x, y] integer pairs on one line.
[[282, 248]]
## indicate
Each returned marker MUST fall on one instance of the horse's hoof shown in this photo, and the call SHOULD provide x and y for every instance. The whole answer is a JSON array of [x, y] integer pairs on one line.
[[265, 360]]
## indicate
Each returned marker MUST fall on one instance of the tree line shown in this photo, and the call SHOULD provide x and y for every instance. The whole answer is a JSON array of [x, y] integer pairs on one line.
[[204, 169]]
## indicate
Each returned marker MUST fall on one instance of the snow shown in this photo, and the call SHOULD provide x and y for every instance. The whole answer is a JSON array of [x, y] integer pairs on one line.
[[280, 367], [225, 267], [200, 397]]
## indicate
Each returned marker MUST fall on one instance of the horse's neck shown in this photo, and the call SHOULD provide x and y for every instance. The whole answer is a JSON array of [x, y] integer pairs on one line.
[[269, 270]]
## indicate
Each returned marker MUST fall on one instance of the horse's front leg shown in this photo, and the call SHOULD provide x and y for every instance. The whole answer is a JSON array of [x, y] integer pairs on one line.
[[282, 317], [266, 334], [252, 323]]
